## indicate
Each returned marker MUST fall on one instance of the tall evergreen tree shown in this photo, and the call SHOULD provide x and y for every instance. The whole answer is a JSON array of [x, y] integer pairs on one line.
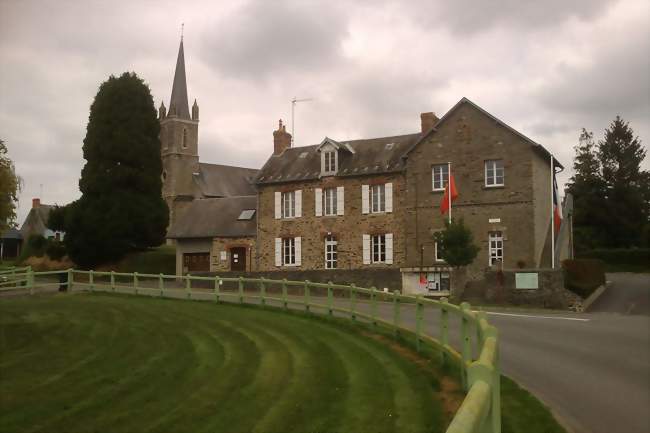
[[627, 191], [588, 190], [121, 207]]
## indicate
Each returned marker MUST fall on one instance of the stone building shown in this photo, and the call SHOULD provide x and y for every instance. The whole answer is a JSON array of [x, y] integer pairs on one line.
[[187, 181]]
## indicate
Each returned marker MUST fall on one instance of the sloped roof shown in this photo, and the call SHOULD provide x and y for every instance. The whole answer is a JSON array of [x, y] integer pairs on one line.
[[215, 217], [215, 180], [36, 220], [538, 147], [370, 156], [178, 99], [11, 234]]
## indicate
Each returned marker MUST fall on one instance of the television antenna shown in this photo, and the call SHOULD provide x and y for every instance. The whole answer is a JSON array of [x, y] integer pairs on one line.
[[293, 116]]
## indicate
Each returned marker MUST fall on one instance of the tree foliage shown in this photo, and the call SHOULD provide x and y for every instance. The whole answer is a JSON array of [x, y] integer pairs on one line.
[[121, 207], [611, 192], [10, 185], [457, 243]]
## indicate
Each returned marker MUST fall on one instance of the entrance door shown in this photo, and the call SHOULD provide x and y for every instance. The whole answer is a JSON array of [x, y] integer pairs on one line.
[[238, 259], [196, 262]]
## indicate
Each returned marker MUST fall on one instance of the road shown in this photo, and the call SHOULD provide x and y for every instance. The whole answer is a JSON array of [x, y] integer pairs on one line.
[[591, 369]]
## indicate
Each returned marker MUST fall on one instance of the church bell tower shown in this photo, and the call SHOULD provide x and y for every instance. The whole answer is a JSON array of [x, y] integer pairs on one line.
[[179, 133]]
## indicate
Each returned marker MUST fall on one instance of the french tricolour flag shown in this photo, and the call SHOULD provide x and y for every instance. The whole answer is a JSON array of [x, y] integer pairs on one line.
[[557, 209]]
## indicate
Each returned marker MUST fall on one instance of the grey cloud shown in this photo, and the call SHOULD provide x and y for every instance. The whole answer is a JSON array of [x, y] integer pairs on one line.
[[274, 37]]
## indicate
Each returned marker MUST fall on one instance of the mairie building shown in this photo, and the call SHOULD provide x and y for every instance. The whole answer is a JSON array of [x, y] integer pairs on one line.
[[366, 205]]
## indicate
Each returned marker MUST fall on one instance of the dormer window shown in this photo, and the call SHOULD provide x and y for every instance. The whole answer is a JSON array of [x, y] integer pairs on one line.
[[329, 162]]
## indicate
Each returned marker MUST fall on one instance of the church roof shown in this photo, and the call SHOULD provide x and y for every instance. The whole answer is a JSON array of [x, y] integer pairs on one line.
[[216, 180], [215, 217], [178, 99], [369, 156]]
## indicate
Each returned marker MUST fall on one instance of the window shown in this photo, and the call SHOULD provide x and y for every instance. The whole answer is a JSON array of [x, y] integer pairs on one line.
[[329, 162], [329, 201], [378, 248], [289, 204], [494, 172], [246, 214], [438, 281], [438, 252], [440, 176], [496, 247], [288, 251], [184, 137], [331, 255], [377, 198]]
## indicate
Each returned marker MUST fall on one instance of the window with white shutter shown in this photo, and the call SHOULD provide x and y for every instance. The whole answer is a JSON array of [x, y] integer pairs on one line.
[[378, 198], [278, 205], [389, 197], [298, 251], [329, 201], [318, 204], [366, 249], [340, 209], [289, 251], [378, 248], [365, 199], [278, 252], [389, 248], [298, 203], [289, 204]]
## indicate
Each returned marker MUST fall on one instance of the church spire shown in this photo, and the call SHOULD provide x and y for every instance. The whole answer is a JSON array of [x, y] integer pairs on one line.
[[179, 89]]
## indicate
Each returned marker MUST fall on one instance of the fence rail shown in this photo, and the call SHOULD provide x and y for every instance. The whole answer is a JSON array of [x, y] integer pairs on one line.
[[480, 411]]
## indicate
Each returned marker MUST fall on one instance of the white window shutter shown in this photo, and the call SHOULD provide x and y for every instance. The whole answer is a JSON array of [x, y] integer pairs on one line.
[[389, 248], [298, 203], [389, 197], [366, 249], [278, 205], [298, 244], [365, 199], [278, 252], [340, 201], [318, 193]]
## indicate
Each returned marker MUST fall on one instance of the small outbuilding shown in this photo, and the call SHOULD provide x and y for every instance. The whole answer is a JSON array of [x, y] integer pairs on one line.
[[10, 243]]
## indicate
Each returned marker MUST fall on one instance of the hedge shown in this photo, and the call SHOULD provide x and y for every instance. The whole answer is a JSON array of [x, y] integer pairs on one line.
[[620, 256], [583, 276]]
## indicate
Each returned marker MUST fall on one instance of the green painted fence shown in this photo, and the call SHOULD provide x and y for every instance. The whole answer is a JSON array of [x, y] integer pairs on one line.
[[480, 411]]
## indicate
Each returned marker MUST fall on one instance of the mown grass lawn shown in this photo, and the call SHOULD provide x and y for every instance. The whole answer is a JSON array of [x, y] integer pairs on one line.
[[110, 363]]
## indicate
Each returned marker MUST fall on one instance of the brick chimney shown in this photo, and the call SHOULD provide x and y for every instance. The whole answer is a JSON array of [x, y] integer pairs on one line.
[[281, 139], [36, 202], [428, 120]]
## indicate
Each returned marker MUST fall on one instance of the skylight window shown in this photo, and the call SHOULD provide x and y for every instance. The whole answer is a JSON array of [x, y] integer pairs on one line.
[[246, 215]]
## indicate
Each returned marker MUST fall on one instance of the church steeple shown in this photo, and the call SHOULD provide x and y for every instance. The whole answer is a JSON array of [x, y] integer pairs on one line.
[[178, 102]]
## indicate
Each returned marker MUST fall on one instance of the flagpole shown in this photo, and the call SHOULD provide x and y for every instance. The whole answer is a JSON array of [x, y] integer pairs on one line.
[[552, 215], [449, 188]]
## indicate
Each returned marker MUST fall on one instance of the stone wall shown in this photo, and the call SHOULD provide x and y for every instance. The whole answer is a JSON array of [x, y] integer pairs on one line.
[[223, 245], [499, 287], [347, 228]]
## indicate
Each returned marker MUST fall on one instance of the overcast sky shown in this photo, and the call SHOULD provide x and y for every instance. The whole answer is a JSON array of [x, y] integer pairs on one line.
[[546, 68]]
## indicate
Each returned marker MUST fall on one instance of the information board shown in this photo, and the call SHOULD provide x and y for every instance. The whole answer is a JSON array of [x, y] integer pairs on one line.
[[526, 280]]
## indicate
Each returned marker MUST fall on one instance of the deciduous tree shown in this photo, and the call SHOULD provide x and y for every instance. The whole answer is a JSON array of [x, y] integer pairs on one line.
[[10, 185]]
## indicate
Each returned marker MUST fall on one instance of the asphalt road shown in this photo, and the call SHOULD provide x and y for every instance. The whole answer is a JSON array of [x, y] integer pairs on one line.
[[628, 294]]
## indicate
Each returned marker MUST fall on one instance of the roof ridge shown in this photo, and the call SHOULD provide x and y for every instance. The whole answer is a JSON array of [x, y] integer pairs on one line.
[[226, 165]]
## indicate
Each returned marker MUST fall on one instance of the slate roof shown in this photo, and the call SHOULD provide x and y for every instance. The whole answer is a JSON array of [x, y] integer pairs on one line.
[[370, 156], [215, 180], [11, 234], [179, 88], [215, 217]]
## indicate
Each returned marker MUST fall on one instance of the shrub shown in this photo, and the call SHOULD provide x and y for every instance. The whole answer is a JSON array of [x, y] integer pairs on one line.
[[583, 276], [620, 256], [55, 249]]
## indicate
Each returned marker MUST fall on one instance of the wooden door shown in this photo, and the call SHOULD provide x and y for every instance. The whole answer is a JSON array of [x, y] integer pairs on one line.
[[238, 259], [196, 262]]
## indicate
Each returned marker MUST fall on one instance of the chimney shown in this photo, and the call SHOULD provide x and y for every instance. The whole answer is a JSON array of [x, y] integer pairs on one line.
[[36, 202], [281, 139], [428, 120]]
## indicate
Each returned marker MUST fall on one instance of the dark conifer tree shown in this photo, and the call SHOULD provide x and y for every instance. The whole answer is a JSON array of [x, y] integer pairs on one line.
[[121, 207]]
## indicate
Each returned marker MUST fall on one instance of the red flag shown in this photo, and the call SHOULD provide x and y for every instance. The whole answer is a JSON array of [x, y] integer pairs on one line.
[[444, 203], [557, 211]]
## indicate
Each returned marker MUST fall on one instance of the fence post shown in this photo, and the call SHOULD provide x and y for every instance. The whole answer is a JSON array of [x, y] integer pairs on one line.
[[466, 349], [444, 328], [306, 295], [284, 293], [161, 284], [241, 290], [217, 283], [91, 280], [373, 305], [418, 321], [70, 279], [396, 318], [135, 283], [113, 280], [353, 301], [30, 281], [262, 292], [188, 286], [330, 299]]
